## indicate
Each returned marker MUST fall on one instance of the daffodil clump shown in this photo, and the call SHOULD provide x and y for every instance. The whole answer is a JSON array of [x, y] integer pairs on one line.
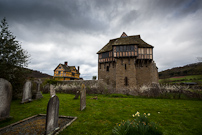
[[139, 126]]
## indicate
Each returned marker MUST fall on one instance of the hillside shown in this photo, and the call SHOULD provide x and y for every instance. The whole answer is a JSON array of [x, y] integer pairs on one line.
[[37, 74], [191, 69]]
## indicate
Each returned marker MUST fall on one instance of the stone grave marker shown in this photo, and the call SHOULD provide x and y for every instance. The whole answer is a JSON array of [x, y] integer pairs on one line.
[[52, 90], [77, 94], [5, 98], [82, 97], [52, 115], [27, 93], [38, 94]]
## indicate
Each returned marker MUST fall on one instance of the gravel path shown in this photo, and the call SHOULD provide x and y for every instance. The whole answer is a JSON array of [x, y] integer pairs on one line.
[[33, 126]]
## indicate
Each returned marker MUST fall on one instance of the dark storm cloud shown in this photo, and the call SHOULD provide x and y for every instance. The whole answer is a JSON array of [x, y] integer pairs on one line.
[[74, 30], [48, 15]]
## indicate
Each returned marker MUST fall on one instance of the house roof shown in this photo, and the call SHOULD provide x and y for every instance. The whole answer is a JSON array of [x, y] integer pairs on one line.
[[125, 40], [67, 68]]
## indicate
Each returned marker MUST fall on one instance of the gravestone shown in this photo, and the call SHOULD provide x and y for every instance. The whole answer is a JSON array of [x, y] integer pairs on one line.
[[38, 93], [82, 97], [77, 94], [5, 98], [52, 90], [52, 115], [27, 93]]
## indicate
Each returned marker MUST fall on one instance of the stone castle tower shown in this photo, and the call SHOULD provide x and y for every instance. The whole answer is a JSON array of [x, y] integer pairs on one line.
[[127, 62]]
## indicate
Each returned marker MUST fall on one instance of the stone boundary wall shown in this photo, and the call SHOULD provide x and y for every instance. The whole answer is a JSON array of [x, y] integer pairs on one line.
[[70, 87], [92, 87]]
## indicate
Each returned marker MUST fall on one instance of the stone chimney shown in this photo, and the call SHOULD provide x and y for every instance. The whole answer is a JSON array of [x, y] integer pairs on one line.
[[66, 63], [78, 68]]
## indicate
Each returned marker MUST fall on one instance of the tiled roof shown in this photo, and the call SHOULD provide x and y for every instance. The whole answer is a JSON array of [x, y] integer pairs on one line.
[[125, 40], [67, 68]]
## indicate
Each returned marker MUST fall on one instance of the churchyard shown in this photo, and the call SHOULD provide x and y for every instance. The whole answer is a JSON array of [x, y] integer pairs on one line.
[[173, 116]]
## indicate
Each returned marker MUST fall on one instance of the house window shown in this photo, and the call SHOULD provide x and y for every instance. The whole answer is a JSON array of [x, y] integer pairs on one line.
[[107, 68], [59, 72], [126, 81]]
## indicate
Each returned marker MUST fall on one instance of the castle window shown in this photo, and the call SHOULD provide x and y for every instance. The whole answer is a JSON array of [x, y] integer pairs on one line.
[[128, 48], [125, 66], [117, 48], [107, 68], [132, 48], [126, 81], [105, 55], [100, 65], [124, 48], [121, 48]]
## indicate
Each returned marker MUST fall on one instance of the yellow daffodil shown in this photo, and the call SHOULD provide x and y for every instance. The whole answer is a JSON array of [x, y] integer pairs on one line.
[[148, 114], [137, 113]]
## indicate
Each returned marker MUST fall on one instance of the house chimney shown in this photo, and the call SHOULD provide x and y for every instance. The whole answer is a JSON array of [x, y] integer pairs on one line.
[[66, 63], [78, 68]]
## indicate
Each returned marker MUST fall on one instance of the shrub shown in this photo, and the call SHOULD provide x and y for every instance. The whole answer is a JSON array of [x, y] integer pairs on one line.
[[51, 81], [139, 126]]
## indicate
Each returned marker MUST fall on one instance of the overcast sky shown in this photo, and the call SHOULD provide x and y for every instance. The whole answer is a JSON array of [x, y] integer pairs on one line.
[[54, 31]]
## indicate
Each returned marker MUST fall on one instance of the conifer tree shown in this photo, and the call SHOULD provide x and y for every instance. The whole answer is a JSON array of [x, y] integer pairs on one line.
[[12, 57]]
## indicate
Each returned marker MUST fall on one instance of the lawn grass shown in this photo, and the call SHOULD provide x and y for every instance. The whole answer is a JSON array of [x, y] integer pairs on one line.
[[190, 78], [180, 117]]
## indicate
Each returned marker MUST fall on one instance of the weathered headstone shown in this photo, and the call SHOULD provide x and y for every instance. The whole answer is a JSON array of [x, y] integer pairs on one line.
[[5, 98], [77, 94], [38, 93], [52, 90], [27, 93], [52, 115], [82, 97]]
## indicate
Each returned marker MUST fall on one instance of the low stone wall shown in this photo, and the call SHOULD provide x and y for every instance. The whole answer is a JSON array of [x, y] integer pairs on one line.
[[92, 87], [70, 87]]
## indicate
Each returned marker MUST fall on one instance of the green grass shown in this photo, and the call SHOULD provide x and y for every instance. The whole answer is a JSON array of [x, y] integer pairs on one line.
[[190, 78], [175, 117]]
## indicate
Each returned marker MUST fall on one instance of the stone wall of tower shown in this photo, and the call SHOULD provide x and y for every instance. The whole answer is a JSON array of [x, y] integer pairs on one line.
[[125, 67], [115, 73], [154, 72], [107, 72], [146, 74]]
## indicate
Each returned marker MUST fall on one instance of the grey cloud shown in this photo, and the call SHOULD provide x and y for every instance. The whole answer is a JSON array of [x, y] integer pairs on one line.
[[74, 30]]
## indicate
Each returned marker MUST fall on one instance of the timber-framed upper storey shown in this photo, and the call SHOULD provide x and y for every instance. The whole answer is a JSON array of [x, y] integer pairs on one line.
[[125, 46]]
